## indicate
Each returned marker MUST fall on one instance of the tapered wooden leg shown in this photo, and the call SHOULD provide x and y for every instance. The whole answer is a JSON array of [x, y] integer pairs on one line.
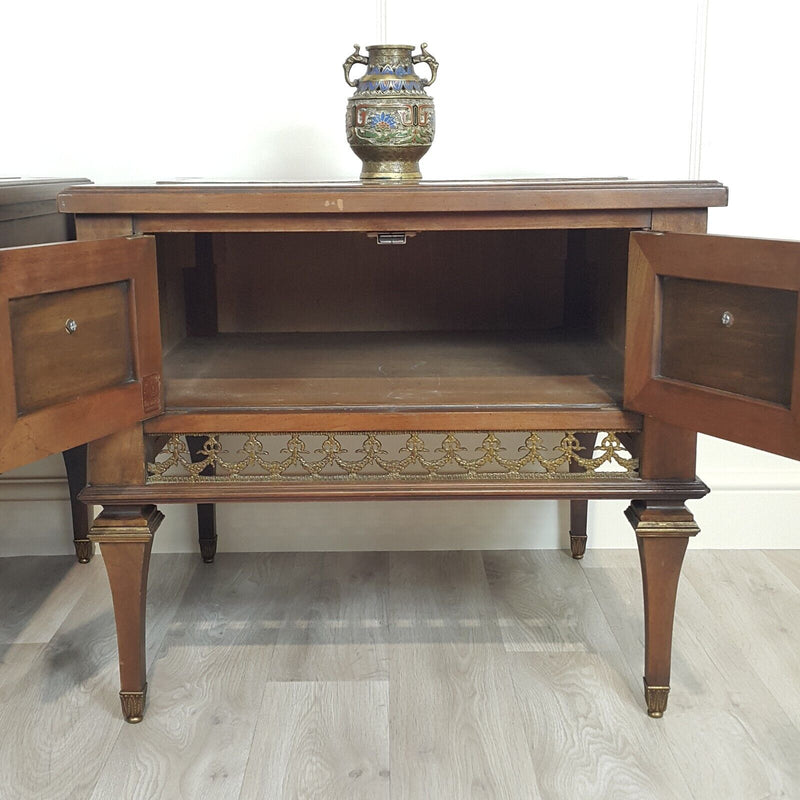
[[206, 512], [75, 463], [125, 535], [662, 534], [579, 509]]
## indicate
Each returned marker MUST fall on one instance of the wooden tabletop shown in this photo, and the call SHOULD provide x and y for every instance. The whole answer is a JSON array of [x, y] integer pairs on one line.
[[375, 197]]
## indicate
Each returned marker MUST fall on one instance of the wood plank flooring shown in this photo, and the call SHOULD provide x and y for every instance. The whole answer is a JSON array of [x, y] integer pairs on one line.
[[441, 676]]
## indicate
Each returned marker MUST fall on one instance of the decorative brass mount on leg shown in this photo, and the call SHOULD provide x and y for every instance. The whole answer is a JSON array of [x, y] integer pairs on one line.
[[133, 705], [208, 549], [577, 545], [84, 550], [656, 697]]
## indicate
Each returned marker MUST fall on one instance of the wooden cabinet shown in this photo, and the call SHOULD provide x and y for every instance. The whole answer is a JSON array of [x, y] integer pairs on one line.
[[713, 336], [432, 340], [29, 215], [83, 347]]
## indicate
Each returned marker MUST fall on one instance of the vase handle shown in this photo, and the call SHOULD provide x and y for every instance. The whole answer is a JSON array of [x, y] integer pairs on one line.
[[355, 58], [428, 59]]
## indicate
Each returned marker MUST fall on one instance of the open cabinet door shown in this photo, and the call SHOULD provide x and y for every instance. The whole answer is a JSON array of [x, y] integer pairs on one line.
[[80, 344], [712, 336]]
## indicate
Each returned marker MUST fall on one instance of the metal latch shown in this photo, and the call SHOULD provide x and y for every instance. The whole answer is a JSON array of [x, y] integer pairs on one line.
[[391, 237]]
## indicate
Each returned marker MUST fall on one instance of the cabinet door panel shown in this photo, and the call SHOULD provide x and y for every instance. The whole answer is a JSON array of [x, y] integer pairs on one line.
[[80, 354], [749, 352], [712, 342], [48, 364]]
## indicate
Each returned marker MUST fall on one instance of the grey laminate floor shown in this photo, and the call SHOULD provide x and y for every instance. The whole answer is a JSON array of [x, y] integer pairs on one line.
[[402, 675]]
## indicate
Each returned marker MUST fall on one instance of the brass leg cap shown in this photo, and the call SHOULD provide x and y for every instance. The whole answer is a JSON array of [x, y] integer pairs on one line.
[[208, 549], [656, 697], [577, 544], [133, 705], [84, 550]]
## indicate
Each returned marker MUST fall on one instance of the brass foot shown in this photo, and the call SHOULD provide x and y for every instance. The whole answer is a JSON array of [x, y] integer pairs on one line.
[[133, 705], [578, 545], [84, 550], [656, 697], [208, 549]]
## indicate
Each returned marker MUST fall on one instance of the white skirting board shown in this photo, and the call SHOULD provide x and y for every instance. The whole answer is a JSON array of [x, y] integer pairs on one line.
[[35, 528]]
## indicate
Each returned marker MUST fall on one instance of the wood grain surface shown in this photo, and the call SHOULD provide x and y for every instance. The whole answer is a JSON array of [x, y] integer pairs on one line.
[[46, 269], [346, 282], [455, 728], [36, 596], [393, 370], [753, 357], [719, 703], [778, 607], [48, 361], [199, 222], [544, 606], [467, 489], [787, 562], [509, 675], [333, 742], [15, 662], [211, 676], [739, 417], [576, 717], [343, 197], [573, 684], [333, 621], [73, 684]]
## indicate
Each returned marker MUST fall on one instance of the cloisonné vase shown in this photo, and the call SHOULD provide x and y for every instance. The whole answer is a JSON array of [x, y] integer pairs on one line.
[[390, 118]]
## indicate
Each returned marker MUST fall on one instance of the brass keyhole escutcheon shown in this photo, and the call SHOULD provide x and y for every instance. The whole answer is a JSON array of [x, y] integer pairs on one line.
[[727, 319], [70, 326]]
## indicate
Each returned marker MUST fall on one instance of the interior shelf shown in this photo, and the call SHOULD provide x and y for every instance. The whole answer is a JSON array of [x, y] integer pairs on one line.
[[393, 371]]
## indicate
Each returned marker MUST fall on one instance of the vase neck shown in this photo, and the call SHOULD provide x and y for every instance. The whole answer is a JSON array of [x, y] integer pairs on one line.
[[390, 55]]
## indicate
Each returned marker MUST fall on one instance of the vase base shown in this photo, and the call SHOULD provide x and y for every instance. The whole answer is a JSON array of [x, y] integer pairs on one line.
[[391, 171]]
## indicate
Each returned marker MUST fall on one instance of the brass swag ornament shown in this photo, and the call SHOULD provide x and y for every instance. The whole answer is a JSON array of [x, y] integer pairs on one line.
[[414, 455], [390, 118]]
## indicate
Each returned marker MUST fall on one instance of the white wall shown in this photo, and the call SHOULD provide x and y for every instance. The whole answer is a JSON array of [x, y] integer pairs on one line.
[[157, 90]]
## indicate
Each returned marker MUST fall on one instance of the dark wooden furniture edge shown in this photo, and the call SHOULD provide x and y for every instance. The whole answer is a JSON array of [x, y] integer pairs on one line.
[[541, 489], [174, 421], [206, 512], [368, 222], [75, 465], [352, 198], [36, 190]]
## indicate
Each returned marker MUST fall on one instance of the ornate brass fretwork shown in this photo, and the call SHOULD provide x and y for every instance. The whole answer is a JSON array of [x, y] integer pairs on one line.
[[302, 460]]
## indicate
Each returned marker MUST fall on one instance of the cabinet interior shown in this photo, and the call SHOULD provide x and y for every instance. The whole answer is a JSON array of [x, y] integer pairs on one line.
[[452, 319]]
